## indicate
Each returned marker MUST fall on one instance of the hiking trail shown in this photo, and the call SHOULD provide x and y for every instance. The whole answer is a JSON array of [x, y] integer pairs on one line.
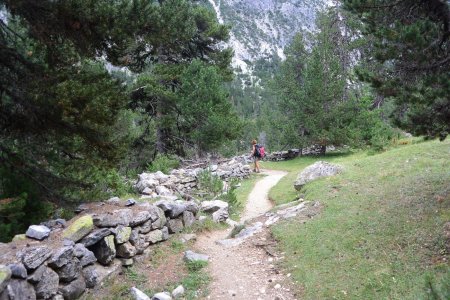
[[248, 270]]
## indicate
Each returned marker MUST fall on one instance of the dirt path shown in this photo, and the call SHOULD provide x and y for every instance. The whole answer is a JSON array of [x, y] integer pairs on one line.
[[248, 270]]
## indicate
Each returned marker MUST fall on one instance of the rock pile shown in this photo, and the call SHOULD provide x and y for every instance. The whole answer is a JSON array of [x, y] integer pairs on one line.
[[63, 261], [182, 181], [293, 153]]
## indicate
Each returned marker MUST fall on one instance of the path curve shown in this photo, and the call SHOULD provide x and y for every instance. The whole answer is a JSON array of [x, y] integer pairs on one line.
[[246, 272]]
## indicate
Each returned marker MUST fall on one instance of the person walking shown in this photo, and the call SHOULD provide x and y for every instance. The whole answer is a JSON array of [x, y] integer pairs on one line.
[[256, 156]]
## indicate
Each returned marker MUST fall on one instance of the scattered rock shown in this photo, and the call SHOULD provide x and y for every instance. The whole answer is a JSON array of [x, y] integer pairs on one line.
[[95, 236], [138, 295], [79, 229], [178, 292], [74, 289], [113, 200], [19, 237], [18, 270], [314, 171], [20, 290], [162, 296], [105, 250], [127, 262], [47, 285], [191, 256], [33, 257], [54, 224], [221, 215], [188, 237], [212, 206], [38, 232], [130, 202]]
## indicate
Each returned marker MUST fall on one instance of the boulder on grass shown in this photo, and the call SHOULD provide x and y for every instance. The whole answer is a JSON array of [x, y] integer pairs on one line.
[[314, 171]]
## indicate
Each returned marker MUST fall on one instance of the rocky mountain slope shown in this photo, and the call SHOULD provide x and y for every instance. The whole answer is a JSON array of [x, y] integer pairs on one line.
[[262, 29]]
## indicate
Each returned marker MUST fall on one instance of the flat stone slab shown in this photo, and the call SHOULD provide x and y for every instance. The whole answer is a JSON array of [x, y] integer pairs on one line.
[[38, 232], [241, 236], [191, 256]]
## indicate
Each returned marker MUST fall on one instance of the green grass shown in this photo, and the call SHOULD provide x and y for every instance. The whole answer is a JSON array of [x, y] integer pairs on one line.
[[380, 234]]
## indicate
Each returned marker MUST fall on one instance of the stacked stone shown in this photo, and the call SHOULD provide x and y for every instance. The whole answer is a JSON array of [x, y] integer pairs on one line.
[[160, 185], [293, 153], [63, 267]]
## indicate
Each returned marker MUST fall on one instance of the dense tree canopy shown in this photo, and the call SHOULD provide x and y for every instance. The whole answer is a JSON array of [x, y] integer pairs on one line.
[[407, 57]]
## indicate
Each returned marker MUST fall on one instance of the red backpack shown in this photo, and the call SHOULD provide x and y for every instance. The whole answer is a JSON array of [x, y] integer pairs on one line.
[[260, 151]]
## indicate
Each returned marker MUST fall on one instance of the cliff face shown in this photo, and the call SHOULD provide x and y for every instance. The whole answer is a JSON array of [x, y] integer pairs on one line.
[[261, 29]]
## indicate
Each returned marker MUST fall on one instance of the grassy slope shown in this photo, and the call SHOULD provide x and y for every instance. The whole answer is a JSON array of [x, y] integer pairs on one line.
[[380, 233]]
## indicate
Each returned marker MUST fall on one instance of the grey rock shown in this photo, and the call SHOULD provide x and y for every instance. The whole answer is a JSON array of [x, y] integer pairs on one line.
[[47, 285], [188, 218], [220, 216], [163, 191], [38, 232], [202, 219], [95, 236], [79, 228], [155, 212], [175, 225], [138, 295], [36, 276], [5, 275], [115, 218], [74, 289], [61, 257], [188, 237], [192, 206], [154, 237], [244, 234], [178, 292], [54, 224], [113, 200], [20, 290], [33, 257], [126, 262], [191, 256], [80, 208], [105, 250], [147, 191], [69, 271], [212, 206], [130, 202], [140, 218], [67, 242], [122, 234], [165, 233], [146, 227], [90, 277], [171, 209], [125, 250], [79, 250], [134, 236], [57, 297], [88, 258], [18, 270], [314, 171], [162, 296]]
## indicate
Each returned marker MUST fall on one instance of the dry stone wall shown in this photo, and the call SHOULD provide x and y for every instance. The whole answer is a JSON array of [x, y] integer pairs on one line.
[[293, 153]]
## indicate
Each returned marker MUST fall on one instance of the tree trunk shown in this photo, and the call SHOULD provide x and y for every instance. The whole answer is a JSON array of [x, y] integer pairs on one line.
[[323, 149], [160, 136]]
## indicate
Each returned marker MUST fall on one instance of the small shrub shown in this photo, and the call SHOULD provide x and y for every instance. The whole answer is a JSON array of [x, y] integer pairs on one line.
[[195, 266], [230, 196], [209, 182], [163, 163]]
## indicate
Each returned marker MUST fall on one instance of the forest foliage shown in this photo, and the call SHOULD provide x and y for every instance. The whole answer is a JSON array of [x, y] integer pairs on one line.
[[92, 92]]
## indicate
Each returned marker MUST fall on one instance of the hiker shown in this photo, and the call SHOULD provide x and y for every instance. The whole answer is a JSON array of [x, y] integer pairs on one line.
[[256, 156]]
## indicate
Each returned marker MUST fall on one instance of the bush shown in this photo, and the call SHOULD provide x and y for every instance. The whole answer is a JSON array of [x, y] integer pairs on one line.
[[163, 163], [230, 196], [209, 182]]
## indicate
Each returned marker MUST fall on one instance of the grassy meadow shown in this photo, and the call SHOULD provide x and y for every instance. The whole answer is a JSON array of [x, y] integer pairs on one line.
[[380, 234]]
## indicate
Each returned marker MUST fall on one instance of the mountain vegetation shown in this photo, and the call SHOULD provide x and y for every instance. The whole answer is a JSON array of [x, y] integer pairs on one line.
[[93, 92]]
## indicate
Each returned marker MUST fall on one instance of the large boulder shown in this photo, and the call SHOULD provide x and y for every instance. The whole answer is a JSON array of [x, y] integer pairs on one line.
[[38, 232], [105, 250], [79, 229], [172, 209], [314, 171]]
